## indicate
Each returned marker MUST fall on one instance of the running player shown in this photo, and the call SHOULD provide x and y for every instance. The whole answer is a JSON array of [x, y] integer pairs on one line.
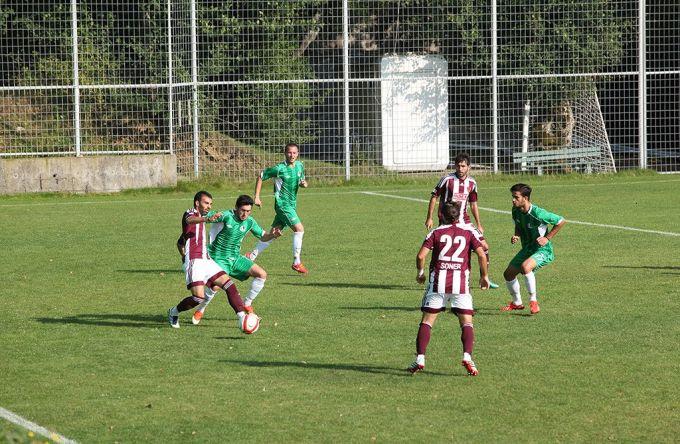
[[226, 235], [200, 270], [458, 187], [531, 227], [288, 176], [449, 275]]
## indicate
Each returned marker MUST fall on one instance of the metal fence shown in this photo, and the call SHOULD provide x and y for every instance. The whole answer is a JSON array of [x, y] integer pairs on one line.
[[371, 87]]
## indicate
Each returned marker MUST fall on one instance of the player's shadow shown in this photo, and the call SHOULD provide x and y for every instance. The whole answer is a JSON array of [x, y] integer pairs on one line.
[[110, 320], [382, 308], [352, 285], [646, 267], [363, 368], [153, 271]]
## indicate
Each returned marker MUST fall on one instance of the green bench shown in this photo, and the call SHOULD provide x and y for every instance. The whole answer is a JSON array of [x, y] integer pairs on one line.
[[580, 158]]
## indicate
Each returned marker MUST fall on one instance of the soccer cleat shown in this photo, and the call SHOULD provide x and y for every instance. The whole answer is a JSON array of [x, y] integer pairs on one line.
[[533, 306], [196, 318], [250, 255], [511, 306], [493, 285], [470, 367], [248, 308], [300, 268], [415, 367], [173, 320]]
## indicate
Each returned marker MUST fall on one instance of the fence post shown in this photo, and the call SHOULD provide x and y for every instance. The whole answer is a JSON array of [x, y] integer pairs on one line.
[[494, 83], [194, 83], [76, 75], [171, 128], [642, 85], [345, 78]]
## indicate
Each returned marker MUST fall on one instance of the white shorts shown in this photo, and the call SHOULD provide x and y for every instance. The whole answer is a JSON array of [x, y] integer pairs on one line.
[[436, 302], [201, 272]]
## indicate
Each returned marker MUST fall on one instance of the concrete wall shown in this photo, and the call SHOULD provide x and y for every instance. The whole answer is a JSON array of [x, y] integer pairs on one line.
[[86, 174]]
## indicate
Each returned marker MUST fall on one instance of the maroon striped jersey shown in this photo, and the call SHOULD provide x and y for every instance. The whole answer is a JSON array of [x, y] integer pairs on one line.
[[194, 237], [451, 188], [451, 247]]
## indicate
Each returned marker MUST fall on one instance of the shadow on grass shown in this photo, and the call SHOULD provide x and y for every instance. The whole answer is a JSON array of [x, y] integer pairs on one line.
[[363, 368], [353, 285], [644, 267], [382, 308], [112, 320], [177, 270]]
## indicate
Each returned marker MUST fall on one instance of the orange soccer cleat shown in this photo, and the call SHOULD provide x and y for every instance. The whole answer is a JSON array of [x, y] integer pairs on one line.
[[248, 308], [300, 268], [470, 367], [533, 306], [511, 306]]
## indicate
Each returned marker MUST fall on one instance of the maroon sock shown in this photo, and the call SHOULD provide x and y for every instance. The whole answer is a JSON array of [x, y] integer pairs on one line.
[[423, 338], [467, 337], [187, 304], [233, 296]]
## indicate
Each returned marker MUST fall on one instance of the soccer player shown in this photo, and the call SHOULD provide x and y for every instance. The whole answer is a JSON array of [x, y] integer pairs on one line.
[[458, 187], [531, 227], [227, 233], [200, 269], [451, 245], [288, 176]]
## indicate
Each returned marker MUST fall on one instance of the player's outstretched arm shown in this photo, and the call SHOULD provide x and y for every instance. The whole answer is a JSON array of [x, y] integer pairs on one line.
[[274, 233], [544, 240], [483, 269], [420, 264], [430, 209], [474, 208], [258, 189]]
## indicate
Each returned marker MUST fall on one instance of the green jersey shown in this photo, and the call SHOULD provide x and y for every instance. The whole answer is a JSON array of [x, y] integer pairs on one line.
[[533, 224], [286, 182], [227, 233]]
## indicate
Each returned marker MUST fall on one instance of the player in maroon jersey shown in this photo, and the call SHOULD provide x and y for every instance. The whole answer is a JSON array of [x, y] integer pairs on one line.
[[459, 187], [449, 274], [201, 271]]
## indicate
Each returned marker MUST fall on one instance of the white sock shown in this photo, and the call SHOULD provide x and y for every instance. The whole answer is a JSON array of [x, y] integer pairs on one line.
[[241, 315], [297, 246], [513, 288], [209, 294], [255, 289], [260, 247], [467, 357], [420, 359], [531, 285]]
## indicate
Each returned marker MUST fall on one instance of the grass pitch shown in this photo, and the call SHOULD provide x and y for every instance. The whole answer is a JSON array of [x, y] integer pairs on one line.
[[86, 349]]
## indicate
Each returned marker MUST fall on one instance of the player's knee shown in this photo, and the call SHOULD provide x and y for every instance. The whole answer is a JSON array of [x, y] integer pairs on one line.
[[509, 274], [527, 268], [197, 298]]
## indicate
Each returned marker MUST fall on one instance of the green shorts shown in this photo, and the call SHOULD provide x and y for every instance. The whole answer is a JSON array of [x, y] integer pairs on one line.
[[542, 256], [236, 268], [285, 217]]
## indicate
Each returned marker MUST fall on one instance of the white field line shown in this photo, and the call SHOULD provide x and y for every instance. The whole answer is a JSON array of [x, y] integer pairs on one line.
[[578, 222], [312, 193], [28, 425]]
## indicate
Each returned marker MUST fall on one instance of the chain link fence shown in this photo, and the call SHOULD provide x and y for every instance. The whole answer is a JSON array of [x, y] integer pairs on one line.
[[366, 88]]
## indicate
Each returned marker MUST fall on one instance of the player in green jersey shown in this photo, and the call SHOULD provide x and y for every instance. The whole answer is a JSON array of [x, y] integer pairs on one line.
[[531, 227], [226, 235], [288, 177]]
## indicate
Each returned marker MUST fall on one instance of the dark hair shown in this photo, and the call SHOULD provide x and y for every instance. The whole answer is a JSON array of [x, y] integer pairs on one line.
[[524, 189], [289, 145], [462, 157], [198, 196], [450, 211], [243, 199]]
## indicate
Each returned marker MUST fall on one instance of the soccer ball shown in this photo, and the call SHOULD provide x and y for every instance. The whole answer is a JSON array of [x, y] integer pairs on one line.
[[250, 323]]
